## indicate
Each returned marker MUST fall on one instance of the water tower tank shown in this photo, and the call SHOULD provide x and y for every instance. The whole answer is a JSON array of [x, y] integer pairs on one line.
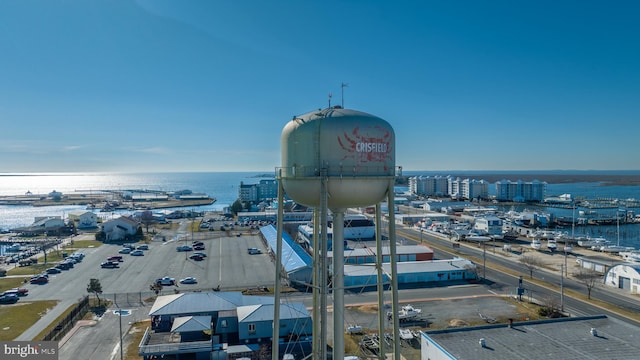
[[355, 149]]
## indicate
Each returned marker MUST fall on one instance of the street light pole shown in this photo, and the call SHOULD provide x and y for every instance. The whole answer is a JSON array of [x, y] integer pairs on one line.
[[561, 288]]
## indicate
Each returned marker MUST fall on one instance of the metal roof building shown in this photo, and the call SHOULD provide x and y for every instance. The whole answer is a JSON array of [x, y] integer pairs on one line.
[[412, 272], [594, 337], [624, 276], [295, 261]]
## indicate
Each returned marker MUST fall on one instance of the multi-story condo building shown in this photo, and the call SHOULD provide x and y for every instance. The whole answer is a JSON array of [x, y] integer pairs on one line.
[[266, 189], [520, 191], [428, 185]]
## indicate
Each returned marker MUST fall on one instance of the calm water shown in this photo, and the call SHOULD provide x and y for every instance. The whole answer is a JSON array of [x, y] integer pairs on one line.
[[224, 187]]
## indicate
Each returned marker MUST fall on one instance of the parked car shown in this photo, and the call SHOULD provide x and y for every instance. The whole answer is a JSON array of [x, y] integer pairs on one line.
[[197, 243], [143, 247], [166, 281], [39, 279], [8, 299], [110, 265], [125, 250], [17, 292], [184, 248], [117, 258], [196, 257], [137, 253], [200, 253], [63, 266], [198, 247], [53, 270], [188, 280], [254, 251]]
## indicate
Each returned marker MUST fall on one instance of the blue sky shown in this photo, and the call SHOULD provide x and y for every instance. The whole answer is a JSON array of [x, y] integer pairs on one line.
[[136, 86]]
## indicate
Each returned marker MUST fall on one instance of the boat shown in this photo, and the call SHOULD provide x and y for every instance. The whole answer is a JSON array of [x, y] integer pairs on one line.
[[630, 256], [615, 248], [552, 245], [406, 313], [536, 244], [590, 242], [475, 237], [510, 235]]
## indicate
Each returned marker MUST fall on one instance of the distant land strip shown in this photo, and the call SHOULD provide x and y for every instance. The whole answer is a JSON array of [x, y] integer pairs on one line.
[[604, 179]]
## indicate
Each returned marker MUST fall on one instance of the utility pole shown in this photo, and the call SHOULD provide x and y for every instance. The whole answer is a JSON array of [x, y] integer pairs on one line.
[[561, 288]]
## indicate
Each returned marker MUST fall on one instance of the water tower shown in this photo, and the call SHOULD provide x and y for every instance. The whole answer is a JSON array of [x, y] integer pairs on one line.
[[334, 159]]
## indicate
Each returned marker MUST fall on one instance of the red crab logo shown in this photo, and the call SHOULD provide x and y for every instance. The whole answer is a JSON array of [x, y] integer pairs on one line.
[[372, 146]]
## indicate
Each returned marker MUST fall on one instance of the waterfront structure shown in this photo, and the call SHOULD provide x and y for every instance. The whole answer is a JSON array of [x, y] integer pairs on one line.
[[86, 219], [429, 185], [520, 191], [591, 338], [41, 225], [118, 229], [264, 190], [488, 225], [368, 255], [411, 273], [624, 276], [468, 188]]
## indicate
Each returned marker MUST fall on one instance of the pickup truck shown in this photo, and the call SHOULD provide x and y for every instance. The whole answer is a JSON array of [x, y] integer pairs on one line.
[[166, 281], [110, 265]]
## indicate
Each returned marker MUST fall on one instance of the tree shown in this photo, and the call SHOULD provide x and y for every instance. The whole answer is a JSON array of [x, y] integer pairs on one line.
[[101, 236], [236, 207], [588, 278], [147, 219], [95, 287], [156, 288], [532, 263]]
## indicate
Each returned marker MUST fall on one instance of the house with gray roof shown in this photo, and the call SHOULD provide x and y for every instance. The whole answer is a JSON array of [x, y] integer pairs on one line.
[[202, 324], [118, 229]]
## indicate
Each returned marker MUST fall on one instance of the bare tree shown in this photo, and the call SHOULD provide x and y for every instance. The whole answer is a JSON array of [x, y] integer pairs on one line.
[[550, 306], [147, 219], [532, 263], [588, 278]]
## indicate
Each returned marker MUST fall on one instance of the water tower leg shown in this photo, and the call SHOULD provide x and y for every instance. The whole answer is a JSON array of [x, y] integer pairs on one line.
[[394, 270], [276, 308], [316, 280], [379, 261], [338, 283]]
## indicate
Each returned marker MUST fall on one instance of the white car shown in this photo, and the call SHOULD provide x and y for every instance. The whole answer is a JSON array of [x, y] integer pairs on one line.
[[166, 281], [188, 280]]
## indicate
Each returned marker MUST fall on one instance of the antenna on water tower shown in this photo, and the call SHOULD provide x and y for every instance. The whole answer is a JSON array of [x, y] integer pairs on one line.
[[342, 86]]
